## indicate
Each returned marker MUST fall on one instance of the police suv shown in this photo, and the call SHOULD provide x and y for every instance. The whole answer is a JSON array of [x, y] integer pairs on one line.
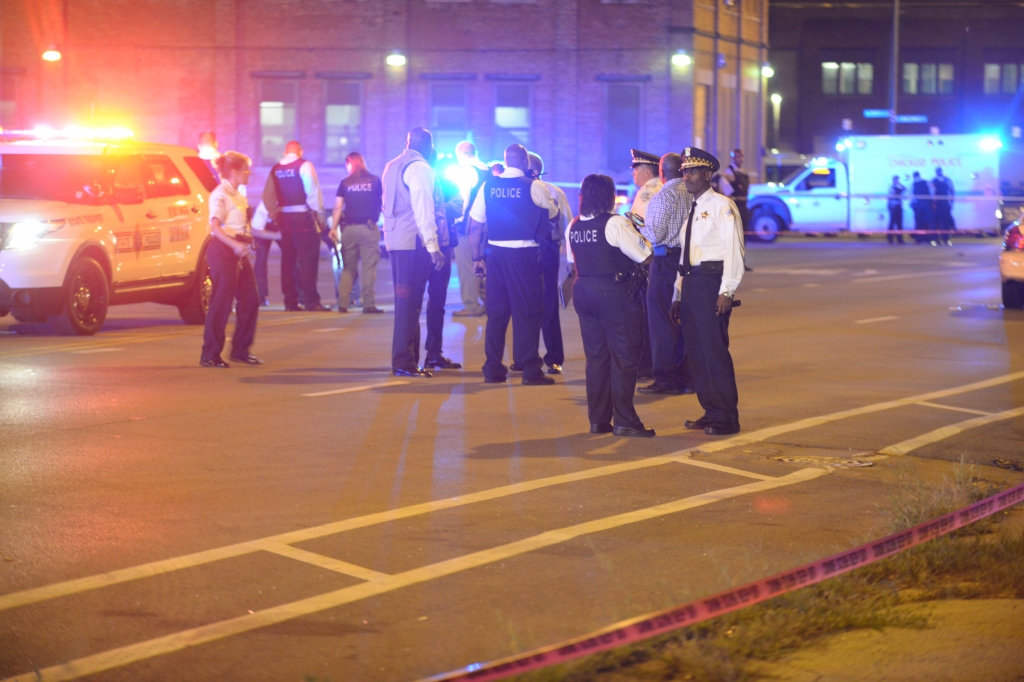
[[88, 223]]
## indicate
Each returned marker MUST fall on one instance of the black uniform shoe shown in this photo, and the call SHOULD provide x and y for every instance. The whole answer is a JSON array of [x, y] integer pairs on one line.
[[342, 309], [318, 308], [215, 362], [633, 433], [601, 428], [721, 429], [417, 372], [495, 380], [441, 363], [658, 388], [687, 390], [697, 424], [372, 310], [538, 381], [292, 309], [515, 368], [247, 360], [555, 369]]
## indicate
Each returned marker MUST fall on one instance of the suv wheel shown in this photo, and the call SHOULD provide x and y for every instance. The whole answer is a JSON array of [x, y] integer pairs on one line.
[[196, 302], [1013, 294], [84, 299], [765, 224]]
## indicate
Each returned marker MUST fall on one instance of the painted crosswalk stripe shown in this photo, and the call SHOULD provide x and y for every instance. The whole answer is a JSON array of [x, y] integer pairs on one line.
[[354, 389]]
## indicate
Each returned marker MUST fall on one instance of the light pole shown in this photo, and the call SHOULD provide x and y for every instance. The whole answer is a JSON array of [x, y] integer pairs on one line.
[[776, 111], [894, 72]]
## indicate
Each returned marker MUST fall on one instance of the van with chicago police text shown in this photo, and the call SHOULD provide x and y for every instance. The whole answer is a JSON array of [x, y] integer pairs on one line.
[[87, 222]]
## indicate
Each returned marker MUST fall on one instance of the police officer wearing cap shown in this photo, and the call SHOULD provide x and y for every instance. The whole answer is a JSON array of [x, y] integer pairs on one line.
[[647, 180], [605, 248], [517, 211], [710, 270]]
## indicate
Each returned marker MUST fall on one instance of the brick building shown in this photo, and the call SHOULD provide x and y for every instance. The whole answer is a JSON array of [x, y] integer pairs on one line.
[[961, 64], [579, 81]]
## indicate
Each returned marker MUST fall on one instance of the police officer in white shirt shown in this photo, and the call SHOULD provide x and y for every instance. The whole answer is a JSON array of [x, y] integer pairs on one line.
[[410, 235], [605, 248], [646, 179], [710, 267], [517, 212]]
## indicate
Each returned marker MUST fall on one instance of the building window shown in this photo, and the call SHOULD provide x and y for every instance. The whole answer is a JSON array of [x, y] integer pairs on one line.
[[511, 115], [622, 125], [945, 79], [8, 103], [1009, 79], [991, 79], [449, 115], [1003, 78], [847, 78], [910, 75], [277, 119], [927, 79], [342, 119]]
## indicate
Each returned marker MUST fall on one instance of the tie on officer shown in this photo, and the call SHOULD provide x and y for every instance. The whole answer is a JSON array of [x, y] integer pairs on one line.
[[411, 239], [605, 248], [710, 270], [666, 218], [550, 258], [300, 207], [356, 211], [518, 212]]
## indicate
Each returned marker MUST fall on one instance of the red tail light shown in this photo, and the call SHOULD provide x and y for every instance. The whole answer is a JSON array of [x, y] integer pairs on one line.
[[1014, 240]]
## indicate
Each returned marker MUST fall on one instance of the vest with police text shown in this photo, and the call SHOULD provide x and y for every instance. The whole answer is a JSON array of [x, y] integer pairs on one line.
[[511, 213], [363, 195], [288, 183], [594, 256]]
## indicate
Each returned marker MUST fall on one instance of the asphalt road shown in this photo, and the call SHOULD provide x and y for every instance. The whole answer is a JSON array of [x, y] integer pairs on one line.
[[317, 517]]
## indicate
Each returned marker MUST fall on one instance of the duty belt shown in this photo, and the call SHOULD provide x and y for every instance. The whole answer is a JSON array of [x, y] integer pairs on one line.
[[708, 267]]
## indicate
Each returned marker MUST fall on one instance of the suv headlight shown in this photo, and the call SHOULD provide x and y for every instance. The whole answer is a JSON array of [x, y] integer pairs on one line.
[[24, 235]]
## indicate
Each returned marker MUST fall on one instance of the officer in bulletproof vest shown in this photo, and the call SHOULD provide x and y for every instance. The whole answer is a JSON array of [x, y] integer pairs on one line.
[[357, 208], [944, 207], [300, 218], [734, 183], [517, 212]]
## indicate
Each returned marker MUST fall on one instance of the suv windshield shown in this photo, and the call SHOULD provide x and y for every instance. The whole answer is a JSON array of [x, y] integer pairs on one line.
[[792, 176], [75, 179]]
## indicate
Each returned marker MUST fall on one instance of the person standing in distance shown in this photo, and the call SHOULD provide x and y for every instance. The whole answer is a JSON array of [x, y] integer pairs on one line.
[[710, 270], [357, 207], [230, 270], [410, 235], [735, 184], [896, 190], [550, 258], [447, 207], [922, 206], [666, 217], [517, 212], [605, 248], [266, 233], [472, 173], [944, 207]]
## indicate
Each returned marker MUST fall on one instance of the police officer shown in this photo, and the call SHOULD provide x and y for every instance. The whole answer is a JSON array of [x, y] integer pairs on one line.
[[922, 206], [517, 212], [357, 208], [646, 179], [447, 207], [735, 184], [550, 258], [300, 208], [666, 217], [410, 235], [605, 249], [471, 175], [944, 207], [895, 205], [710, 267]]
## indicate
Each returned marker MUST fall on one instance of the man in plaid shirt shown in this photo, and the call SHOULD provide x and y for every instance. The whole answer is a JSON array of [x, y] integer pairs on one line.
[[666, 217]]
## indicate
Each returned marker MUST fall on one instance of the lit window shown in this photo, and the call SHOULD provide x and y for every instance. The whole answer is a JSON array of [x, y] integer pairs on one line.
[[945, 79], [449, 116], [829, 77], [622, 126], [511, 115], [1009, 79], [342, 119], [847, 78], [991, 79], [929, 79], [865, 78], [277, 119], [910, 75]]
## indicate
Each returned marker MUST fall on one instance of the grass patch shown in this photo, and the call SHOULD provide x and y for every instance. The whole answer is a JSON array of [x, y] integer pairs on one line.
[[975, 562]]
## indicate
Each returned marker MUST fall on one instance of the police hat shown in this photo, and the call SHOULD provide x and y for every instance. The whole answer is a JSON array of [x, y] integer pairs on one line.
[[698, 158], [640, 158]]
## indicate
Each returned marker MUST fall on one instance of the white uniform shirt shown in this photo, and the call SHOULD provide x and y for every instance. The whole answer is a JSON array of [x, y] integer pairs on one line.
[[644, 196], [716, 234], [419, 178], [310, 183], [564, 210], [620, 233], [229, 206], [538, 192]]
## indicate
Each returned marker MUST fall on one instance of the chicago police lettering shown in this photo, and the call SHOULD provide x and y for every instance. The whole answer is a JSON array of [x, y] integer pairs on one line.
[[506, 192], [583, 236]]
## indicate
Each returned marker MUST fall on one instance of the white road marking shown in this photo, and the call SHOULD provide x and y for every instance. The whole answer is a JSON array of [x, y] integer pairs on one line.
[[330, 329], [132, 653], [955, 409], [948, 432], [877, 319], [96, 350], [814, 272], [810, 285], [354, 389], [907, 275]]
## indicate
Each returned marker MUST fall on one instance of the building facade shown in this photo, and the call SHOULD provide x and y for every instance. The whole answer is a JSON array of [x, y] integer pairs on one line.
[[961, 65], [578, 81]]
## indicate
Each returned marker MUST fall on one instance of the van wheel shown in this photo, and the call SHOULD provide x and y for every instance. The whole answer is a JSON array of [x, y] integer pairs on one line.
[[1013, 294], [84, 300], [193, 307], [765, 224]]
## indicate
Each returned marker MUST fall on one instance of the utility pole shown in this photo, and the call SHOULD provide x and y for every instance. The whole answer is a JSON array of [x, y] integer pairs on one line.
[[894, 72]]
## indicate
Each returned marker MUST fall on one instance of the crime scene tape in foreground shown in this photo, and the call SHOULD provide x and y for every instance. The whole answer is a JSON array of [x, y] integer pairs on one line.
[[644, 627]]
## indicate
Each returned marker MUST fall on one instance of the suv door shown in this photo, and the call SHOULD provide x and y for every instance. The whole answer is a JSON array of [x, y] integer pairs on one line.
[[169, 209], [818, 202], [137, 244]]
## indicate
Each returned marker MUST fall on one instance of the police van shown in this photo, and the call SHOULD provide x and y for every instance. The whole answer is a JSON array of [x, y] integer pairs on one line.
[[88, 222]]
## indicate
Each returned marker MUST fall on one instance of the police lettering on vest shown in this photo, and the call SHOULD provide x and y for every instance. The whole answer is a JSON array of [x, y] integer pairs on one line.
[[288, 183], [511, 213], [594, 256]]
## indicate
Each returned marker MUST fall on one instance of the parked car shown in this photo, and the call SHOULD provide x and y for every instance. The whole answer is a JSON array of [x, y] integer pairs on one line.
[[1011, 267]]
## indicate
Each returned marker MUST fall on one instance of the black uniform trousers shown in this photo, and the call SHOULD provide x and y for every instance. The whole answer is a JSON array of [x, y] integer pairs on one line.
[[300, 254], [233, 279], [707, 345], [437, 297], [410, 269], [611, 323], [668, 350], [944, 220], [262, 257], [551, 325], [895, 223], [922, 220], [514, 291]]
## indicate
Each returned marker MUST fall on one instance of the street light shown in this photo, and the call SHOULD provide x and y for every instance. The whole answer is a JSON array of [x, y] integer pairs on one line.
[[767, 71], [776, 99], [681, 59], [52, 55], [396, 58]]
